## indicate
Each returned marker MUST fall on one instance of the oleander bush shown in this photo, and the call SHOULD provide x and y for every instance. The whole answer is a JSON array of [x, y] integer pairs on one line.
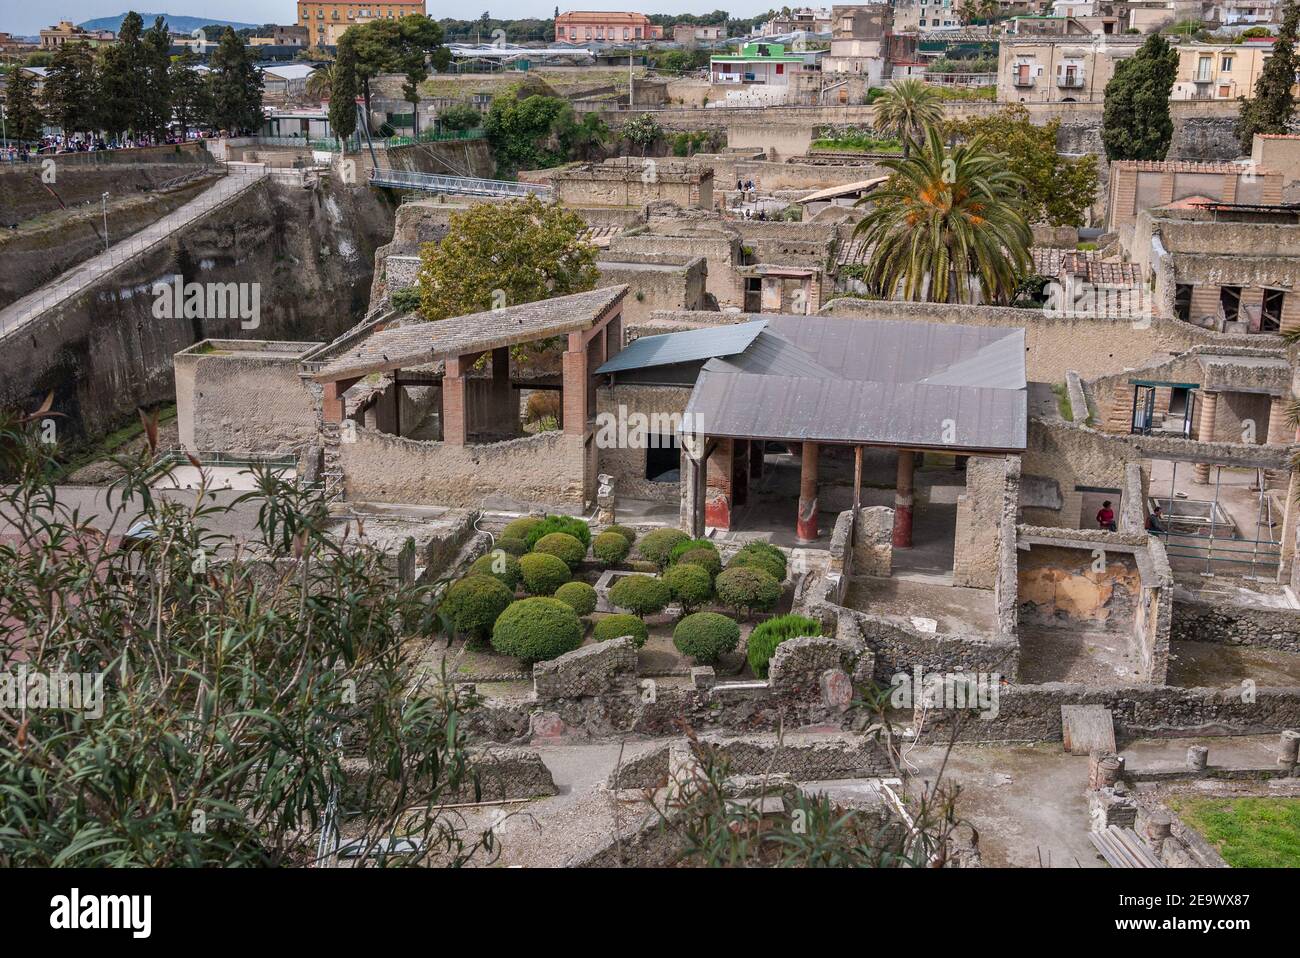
[[641, 594], [705, 636], [499, 564], [543, 573], [474, 603], [577, 528], [610, 548], [579, 595], [689, 584], [748, 590], [658, 545], [564, 547], [618, 625], [768, 635], [537, 629]]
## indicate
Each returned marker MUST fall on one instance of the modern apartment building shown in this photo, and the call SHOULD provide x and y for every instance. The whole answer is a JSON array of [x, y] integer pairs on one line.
[[326, 21], [857, 41], [65, 31]]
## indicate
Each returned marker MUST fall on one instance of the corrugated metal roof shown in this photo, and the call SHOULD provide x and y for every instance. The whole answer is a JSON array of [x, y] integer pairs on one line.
[[692, 345]]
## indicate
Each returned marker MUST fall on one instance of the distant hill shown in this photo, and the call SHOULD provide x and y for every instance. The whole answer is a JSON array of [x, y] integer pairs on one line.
[[176, 23]]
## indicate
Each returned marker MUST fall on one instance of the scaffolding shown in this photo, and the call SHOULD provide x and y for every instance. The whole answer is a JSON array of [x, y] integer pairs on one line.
[[1201, 529]]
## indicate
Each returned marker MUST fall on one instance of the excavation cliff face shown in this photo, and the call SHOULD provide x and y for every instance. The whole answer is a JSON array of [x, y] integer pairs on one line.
[[300, 257]]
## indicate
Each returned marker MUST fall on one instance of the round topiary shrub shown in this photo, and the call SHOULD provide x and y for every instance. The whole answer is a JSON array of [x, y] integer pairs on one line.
[[474, 602], [516, 547], [500, 565], [676, 552], [627, 532], [580, 596], [610, 548], [771, 558], [519, 528], [706, 635], [577, 528], [543, 573], [564, 547], [768, 635], [656, 546], [537, 629], [706, 559], [756, 560], [747, 589], [616, 626], [690, 584], [642, 594]]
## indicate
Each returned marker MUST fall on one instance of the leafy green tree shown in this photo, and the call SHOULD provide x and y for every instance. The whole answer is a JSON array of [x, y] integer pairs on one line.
[[123, 75], [156, 95], [583, 139], [376, 45], [946, 220], [236, 86], [905, 109], [421, 40], [1059, 190], [505, 254], [1135, 121], [23, 115], [70, 89], [191, 96], [460, 116], [241, 699], [1273, 106], [344, 88], [521, 131]]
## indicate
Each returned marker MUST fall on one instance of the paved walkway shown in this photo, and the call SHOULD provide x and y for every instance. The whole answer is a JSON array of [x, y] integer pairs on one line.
[[16, 315]]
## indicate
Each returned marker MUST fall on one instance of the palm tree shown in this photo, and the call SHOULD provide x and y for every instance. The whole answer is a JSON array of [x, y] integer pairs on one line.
[[321, 82], [907, 108], [947, 217]]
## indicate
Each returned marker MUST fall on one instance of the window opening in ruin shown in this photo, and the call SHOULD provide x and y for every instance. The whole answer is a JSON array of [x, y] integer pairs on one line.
[[663, 459], [1270, 318], [1183, 301], [1230, 303]]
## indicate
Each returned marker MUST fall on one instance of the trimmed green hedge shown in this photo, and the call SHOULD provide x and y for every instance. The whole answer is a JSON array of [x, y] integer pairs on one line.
[[747, 590], [705, 636], [610, 548], [500, 565], [770, 558], [627, 532], [642, 594], [564, 547], [579, 595], [706, 559], [676, 552], [519, 528], [658, 545], [577, 528], [537, 629], [768, 635], [543, 573], [617, 626], [474, 603], [689, 584], [516, 547]]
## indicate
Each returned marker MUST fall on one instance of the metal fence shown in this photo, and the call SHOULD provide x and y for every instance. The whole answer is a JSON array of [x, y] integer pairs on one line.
[[80, 277], [468, 185]]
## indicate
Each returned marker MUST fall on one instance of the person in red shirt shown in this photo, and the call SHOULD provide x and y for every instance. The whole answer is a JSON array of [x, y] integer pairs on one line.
[[1106, 517]]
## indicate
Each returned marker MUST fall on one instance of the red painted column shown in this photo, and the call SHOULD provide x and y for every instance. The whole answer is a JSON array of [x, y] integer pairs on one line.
[[805, 527], [717, 486], [903, 501]]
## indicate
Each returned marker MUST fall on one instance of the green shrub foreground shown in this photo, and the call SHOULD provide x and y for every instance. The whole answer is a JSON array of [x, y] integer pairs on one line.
[[768, 635], [617, 626], [537, 629], [705, 636]]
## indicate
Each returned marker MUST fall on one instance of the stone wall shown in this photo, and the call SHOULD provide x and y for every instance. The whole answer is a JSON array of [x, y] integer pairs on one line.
[[628, 465], [980, 511], [664, 281], [1078, 584], [589, 671], [632, 181], [1232, 624], [873, 541], [543, 469], [901, 648], [243, 398]]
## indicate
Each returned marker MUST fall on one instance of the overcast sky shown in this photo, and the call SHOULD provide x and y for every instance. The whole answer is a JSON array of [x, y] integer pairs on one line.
[[27, 19]]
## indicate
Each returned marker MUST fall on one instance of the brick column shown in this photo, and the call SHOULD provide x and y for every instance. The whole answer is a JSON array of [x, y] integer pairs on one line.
[[1205, 430], [455, 416], [575, 386], [805, 528], [903, 500], [717, 483], [1279, 429]]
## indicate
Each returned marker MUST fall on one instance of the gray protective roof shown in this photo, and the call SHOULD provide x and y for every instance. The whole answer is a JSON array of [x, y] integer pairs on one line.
[[831, 379], [692, 345]]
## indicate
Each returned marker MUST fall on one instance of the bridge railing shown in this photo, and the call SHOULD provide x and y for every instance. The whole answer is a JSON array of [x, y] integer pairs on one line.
[[120, 253], [438, 183]]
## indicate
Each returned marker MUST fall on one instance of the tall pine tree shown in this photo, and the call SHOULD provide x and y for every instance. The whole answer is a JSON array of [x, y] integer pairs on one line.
[[155, 95], [1272, 108], [190, 96], [344, 87], [1135, 123], [235, 85], [23, 118], [123, 78], [70, 89]]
